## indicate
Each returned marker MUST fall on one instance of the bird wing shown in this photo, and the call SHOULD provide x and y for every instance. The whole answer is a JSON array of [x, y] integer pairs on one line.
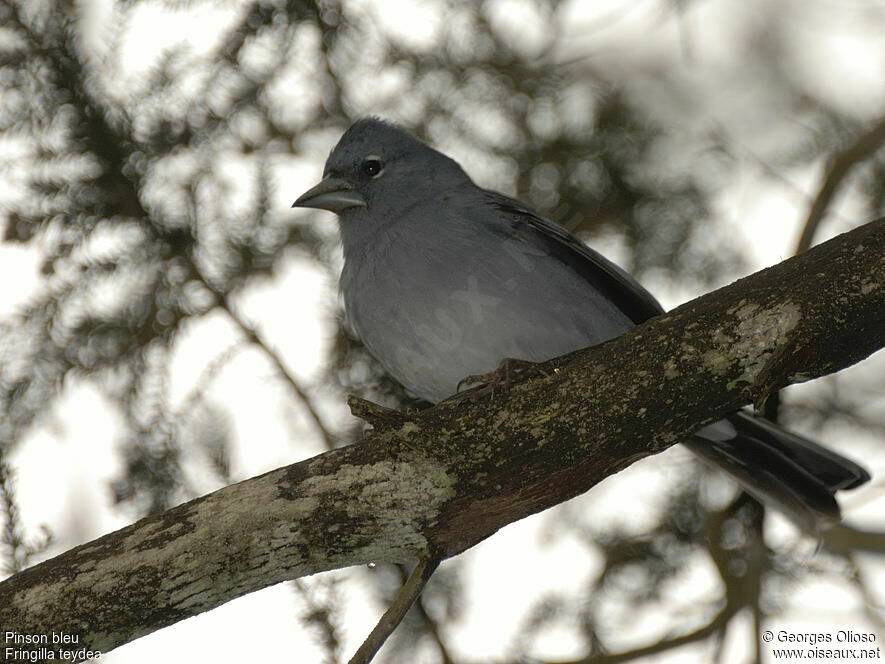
[[623, 290]]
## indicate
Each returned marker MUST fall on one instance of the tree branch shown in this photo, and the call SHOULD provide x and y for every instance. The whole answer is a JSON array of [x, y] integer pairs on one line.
[[431, 484], [396, 611], [864, 146], [253, 335]]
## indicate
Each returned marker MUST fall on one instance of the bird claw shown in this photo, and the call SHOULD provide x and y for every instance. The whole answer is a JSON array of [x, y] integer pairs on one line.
[[494, 381]]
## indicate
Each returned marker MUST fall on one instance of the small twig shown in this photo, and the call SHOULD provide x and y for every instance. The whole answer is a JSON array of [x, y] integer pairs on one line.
[[872, 608], [863, 147], [712, 628], [190, 402], [378, 416], [253, 336], [397, 610], [845, 539], [322, 612], [429, 622], [433, 629]]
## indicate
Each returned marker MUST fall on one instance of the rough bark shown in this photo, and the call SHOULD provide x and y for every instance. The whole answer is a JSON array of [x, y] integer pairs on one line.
[[437, 482]]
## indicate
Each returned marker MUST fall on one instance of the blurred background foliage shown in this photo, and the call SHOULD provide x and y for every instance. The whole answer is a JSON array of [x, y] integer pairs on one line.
[[150, 150]]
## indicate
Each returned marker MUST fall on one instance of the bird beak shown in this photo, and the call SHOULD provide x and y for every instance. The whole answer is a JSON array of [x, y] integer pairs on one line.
[[332, 194]]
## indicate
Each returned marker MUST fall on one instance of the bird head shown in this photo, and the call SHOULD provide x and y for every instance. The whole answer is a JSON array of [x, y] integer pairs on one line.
[[380, 168]]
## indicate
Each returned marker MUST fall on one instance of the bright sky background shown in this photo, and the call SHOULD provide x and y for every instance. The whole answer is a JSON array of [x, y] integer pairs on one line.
[[762, 213]]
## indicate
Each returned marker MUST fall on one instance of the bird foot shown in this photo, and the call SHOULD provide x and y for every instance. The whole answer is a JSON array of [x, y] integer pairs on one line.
[[495, 381]]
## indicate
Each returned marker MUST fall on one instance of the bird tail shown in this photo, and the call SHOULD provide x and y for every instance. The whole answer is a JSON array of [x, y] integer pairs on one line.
[[779, 467]]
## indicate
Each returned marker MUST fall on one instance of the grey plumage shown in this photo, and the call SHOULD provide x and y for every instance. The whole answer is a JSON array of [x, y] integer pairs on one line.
[[443, 279]]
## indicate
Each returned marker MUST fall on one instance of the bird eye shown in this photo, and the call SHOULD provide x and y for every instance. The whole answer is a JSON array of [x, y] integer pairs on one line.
[[372, 166]]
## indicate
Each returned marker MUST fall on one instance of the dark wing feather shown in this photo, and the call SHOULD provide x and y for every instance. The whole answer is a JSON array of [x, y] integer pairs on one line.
[[628, 294], [796, 474]]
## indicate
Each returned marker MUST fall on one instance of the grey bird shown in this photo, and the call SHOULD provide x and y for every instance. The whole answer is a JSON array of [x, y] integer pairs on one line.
[[443, 279]]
